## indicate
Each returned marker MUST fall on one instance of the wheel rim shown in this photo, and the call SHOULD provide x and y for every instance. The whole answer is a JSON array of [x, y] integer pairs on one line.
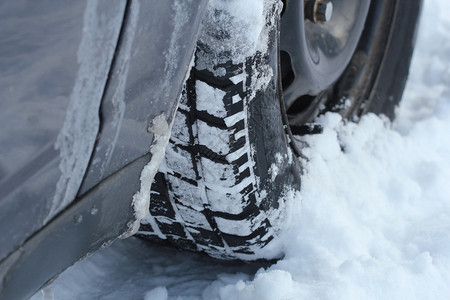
[[316, 46]]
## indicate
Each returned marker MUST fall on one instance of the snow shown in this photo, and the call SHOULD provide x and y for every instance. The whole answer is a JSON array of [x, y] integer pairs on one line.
[[238, 24], [210, 99], [238, 29], [141, 200], [372, 220], [157, 293]]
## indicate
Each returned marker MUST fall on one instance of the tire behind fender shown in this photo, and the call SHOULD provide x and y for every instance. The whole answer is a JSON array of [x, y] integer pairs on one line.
[[229, 171]]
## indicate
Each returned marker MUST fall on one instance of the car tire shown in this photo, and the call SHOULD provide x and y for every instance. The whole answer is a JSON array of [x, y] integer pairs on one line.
[[231, 168]]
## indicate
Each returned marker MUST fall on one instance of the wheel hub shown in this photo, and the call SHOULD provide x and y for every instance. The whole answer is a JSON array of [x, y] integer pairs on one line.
[[319, 11], [318, 39]]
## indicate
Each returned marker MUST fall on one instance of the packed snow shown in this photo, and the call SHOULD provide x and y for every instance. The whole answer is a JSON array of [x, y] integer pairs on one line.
[[141, 200], [372, 220]]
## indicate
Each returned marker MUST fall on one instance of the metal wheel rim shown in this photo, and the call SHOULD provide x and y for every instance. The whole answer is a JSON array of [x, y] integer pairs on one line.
[[318, 53]]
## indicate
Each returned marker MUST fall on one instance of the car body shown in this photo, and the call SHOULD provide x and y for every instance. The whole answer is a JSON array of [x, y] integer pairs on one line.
[[81, 81]]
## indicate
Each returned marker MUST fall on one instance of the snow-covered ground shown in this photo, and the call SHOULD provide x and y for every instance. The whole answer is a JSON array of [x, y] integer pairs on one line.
[[373, 220]]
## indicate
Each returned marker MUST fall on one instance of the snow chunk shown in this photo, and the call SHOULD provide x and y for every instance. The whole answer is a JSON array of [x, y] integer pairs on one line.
[[158, 293], [272, 285], [210, 100], [235, 27], [239, 30], [141, 200], [216, 139]]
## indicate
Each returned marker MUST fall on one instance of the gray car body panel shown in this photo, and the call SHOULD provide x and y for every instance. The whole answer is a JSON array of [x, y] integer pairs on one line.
[[81, 82], [54, 64], [145, 81]]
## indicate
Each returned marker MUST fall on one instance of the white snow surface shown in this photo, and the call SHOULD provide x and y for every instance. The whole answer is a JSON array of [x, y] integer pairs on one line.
[[372, 220]]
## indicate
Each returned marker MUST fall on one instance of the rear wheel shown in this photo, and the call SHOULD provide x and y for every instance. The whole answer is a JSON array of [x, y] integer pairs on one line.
[[231, 170]]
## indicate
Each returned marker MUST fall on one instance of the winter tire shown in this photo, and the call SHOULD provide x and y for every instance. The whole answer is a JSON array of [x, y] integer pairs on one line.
[[231, 167]]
